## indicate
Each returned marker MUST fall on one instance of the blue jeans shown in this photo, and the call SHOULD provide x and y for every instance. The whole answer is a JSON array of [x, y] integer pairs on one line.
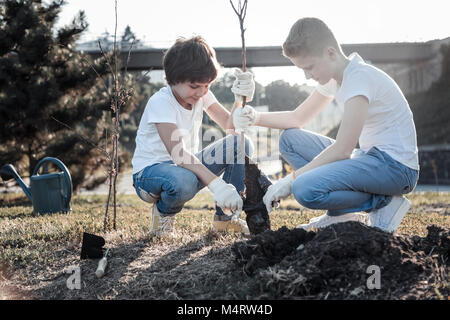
[[365, 182], [174, 185]]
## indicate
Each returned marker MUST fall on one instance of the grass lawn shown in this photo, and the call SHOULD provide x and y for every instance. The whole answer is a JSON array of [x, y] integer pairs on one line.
[[40, 248]]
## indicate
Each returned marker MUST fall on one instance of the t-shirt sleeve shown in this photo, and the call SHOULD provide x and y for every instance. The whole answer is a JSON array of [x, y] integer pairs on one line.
[[357, 84], [160, 111], [208, 100], [328, 89]]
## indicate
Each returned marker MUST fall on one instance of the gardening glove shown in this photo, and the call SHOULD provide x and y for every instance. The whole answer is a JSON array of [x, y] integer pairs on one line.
[[243, 86], [277, 191], [245, 117], [226, 196]]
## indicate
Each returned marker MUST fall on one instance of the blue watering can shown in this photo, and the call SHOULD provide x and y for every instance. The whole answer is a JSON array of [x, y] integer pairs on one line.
[[49, 192]]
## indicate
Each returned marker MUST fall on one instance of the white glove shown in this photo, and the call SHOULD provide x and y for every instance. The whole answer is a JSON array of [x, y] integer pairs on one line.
[[245, 117], [226, 196], [277, 191], [243, 86]]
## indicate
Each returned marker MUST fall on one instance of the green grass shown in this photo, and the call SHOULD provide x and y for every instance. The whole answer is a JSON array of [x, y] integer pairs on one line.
[[29, 241]]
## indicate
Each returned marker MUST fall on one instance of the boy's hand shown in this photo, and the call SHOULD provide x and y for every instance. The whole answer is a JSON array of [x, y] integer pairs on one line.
[[277, 191], [243, 86], [226, 196], [245, 117]]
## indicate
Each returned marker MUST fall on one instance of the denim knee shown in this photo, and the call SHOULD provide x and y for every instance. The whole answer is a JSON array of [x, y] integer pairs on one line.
[[183, 189], [306, 194], [285, 141]]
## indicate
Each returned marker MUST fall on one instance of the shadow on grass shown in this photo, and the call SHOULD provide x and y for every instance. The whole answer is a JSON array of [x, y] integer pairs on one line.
[[15, 202], [195, 270], [333, 264]]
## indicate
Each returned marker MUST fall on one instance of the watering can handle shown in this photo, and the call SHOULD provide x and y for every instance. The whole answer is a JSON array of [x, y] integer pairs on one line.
[[66, 172]]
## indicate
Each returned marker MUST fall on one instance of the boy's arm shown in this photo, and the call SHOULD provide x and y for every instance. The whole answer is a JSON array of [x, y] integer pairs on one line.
[[181, 157], [355, 113], [297, 118], [220, 115]]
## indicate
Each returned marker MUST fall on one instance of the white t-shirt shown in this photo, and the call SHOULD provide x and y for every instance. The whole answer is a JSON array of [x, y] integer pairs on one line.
[[163, 107], [389, 125]]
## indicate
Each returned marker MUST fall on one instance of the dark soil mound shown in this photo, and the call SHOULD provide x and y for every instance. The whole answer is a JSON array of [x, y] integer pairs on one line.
[[269, 248], [345, 261]]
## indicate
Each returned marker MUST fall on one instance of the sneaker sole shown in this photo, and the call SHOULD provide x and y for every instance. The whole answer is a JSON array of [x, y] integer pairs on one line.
[[338, 219], [397, 219]]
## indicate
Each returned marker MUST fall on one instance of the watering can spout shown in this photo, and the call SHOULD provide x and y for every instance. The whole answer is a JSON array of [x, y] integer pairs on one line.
[[8, 171]]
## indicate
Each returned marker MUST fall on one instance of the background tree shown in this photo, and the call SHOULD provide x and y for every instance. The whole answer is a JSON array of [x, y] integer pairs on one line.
[[43, 78], [281, 96], [221, 88], [129, 38], [431, 109]]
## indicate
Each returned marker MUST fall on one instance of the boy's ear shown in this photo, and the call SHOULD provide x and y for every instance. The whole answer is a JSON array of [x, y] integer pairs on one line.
[[331, 53]]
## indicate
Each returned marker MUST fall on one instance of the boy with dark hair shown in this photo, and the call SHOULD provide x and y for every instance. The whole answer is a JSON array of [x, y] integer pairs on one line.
[[332, 174], [168, 169]]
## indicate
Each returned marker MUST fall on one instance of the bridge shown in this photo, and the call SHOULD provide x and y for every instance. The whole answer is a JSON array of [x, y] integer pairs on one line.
[[413, 65], [271, 56]]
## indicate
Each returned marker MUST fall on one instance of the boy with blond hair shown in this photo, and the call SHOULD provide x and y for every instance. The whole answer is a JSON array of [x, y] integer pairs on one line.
[[168, 168], [334, 175]]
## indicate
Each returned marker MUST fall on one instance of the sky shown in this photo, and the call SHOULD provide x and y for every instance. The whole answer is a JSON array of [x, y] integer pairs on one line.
[[160, 22]]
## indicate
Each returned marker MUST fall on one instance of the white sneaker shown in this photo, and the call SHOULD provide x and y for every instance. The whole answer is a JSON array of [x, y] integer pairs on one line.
[[389, 217], [162, 226], [230, 225], [326, 220]]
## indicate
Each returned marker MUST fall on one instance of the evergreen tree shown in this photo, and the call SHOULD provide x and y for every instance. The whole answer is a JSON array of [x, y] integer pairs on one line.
[[129, 38], [42, 78]]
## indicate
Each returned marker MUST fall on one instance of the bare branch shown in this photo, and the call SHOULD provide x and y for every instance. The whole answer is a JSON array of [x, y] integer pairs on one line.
[[147, 72], [128, 56], [106, 58], [115, 42], [232, 5], [241, 13]]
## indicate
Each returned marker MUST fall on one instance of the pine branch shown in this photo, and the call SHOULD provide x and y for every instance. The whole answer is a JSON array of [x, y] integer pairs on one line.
[[90, 65], [104, 151]]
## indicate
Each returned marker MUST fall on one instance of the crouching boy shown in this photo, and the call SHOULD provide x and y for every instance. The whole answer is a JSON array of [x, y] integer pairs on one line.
[[333, 174], [168, 168]]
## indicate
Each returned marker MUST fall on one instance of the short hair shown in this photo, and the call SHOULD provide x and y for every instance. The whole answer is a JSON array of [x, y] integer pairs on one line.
[[190, 60], [309, 37]]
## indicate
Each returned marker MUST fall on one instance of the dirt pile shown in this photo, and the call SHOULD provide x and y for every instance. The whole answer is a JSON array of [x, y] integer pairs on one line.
[[345, 261]]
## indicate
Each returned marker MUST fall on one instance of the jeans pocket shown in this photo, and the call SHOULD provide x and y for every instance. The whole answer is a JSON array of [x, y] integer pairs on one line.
[[147, 196]]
